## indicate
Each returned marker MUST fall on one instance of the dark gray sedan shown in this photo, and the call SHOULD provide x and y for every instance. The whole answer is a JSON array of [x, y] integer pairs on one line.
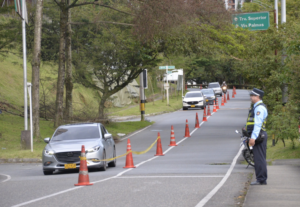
[[209, 95], [64, 148]]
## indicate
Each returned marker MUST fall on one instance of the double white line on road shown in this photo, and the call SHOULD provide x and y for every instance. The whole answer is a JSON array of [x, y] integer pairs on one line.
[[202, 202]]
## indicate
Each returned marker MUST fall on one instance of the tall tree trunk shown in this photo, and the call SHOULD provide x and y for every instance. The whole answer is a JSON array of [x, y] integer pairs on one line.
[[69, 83], [101, 111], [61, 68], [36, 60]]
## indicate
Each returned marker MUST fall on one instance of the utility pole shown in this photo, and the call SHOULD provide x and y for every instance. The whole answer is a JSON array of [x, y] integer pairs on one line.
[[24, 65], [284, 85], [276, 18], [142, 97], [276, 13]]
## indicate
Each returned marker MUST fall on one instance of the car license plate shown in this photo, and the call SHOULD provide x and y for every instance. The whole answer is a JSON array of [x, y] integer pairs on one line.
[[193, 106], [70, 166]]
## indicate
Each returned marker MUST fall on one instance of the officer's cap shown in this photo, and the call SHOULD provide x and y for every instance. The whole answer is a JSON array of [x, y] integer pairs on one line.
[[257, 92]]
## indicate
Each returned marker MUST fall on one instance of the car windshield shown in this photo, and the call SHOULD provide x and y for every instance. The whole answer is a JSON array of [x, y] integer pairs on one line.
[[215, 85], [193, 95], [208, 92], [78, 132]]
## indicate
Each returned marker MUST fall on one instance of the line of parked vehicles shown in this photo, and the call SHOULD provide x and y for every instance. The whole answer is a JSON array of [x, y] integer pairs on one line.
[[199, 99]]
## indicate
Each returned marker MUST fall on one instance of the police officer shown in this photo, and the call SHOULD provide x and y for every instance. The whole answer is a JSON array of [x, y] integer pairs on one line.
[[256, 127]]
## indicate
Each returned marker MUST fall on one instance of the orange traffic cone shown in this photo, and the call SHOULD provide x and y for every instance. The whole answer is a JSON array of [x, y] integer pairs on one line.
[[201, 86], [197, 125], [234, 90], [208, 111], [225, 98], [83, 178], [215, 108], [172, 141], [218, 104], [187, 131], [159, 151], [228, 96], [129, 159], [204, 115], [233, 94], [222, 104]]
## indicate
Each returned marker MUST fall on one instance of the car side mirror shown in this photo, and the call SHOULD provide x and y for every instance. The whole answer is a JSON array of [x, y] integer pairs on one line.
[[107, 136], [46, 140]]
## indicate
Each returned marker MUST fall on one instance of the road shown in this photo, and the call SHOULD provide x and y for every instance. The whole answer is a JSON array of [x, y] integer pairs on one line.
[[198, 172]]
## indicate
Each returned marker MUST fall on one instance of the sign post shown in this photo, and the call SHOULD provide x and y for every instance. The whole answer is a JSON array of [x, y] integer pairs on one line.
[[166, 86], [252, 21]]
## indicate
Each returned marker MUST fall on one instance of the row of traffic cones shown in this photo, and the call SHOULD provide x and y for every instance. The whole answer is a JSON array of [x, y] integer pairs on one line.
[[83, 179]]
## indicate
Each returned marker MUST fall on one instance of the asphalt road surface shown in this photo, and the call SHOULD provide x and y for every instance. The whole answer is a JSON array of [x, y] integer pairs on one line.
[[203, 170]]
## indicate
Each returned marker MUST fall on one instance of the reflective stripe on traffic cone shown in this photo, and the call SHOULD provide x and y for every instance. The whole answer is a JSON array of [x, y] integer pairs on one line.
[[129, 159], [222, 103], [159, 151], [187, 131], [204, 114], [218, 104], [208, 111], [197, 125], [83, 178], [215, 108], [228, 96], [172, 140]]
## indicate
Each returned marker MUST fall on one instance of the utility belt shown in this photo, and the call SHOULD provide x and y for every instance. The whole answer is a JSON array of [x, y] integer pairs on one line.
[[259, 139]]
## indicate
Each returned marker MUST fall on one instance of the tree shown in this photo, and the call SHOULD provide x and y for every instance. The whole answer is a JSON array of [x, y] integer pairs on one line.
[[36, 61], [110, 59], [10, 34]]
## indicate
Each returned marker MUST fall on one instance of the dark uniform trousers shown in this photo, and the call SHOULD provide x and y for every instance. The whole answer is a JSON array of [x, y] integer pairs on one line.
[[259, 152]]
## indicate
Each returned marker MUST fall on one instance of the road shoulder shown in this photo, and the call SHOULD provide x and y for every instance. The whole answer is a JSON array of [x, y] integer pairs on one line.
[[283, 188]]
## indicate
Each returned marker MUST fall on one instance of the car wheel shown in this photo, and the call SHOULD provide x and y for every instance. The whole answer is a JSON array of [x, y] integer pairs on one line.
[[114, 162], [48, 172], [103, 167], [184, 108]]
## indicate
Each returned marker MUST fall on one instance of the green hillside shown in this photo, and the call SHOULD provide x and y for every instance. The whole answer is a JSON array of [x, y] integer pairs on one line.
[[11, 85]]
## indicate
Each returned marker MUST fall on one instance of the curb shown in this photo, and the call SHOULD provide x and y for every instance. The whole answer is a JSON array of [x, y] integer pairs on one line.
[[138, 116], [21, 160]]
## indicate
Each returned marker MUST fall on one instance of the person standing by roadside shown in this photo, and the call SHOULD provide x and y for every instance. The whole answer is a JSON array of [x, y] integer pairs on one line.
[[256, 127]]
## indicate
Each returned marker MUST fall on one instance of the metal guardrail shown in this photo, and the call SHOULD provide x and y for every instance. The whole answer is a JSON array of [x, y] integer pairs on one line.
[[230, 86]]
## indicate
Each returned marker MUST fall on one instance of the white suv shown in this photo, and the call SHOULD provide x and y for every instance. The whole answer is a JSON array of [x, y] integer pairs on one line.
[[216, 87], [193, 99]]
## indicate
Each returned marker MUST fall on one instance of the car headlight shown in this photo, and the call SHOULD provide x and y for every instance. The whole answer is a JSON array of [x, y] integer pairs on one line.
[[49, 152], [213, 97], [94, 149]]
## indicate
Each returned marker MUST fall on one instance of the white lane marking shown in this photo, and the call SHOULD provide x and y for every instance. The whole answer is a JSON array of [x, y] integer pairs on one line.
[[116, 176], [146, 161], [48, 196], [7, 179], [135, 133], [221, 183], [203, 176]]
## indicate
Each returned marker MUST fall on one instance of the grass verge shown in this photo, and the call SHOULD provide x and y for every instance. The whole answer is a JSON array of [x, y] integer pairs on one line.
[[150, 108], [280, 152], [11, 127]]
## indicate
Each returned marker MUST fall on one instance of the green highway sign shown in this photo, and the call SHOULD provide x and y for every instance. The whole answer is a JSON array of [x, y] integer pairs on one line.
[[252, 21], [165, 67]]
